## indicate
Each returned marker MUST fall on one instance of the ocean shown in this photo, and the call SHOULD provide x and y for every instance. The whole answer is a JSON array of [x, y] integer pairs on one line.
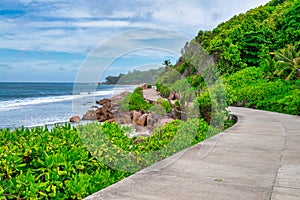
[[39, 104]]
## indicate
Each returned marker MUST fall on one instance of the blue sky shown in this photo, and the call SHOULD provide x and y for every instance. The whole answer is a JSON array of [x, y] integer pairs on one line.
[[50, 40]]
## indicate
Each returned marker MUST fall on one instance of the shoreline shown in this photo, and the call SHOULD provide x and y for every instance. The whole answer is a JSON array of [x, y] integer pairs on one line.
[[41, 108]]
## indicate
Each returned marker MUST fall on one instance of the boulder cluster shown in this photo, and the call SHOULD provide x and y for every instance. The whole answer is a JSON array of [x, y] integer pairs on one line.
[[101, 114], [110, 112], [138, 118], [106, 112]]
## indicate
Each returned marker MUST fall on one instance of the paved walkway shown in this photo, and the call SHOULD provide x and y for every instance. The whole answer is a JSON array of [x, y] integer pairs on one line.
[[151, 95], [258, 158]]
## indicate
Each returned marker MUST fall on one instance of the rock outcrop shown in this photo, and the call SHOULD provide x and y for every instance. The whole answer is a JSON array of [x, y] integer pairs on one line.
[[135, 115], [90, 115], [110, 108], [104, 113], [142, 123], [172, 96], [148, 120], [125, 119], [142, 120], [75, 119], [103, 101]]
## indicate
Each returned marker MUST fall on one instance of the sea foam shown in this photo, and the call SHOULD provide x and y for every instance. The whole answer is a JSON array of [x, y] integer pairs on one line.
[[19, 103]]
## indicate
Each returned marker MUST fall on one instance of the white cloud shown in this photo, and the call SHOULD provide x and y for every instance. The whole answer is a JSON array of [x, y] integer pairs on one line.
[[26, 2], [39, 65], [124, 14], [77, 26], [179, 12]]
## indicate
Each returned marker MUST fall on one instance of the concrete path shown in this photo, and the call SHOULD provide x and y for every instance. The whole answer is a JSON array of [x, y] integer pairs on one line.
[[258, 158], [151, 95]]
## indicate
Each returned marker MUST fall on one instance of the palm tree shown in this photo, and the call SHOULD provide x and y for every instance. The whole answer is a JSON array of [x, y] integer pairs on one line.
[[167, 63], [288, 63], [269, 67]]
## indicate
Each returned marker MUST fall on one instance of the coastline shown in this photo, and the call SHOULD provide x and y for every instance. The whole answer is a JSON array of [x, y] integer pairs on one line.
[[47, 104]]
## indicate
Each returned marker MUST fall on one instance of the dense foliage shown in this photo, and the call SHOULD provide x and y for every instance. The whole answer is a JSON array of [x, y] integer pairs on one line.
[[135, 101], [166, 105], [135, 77], [258, 55], [42, 163], [110, 144], [248, 88], [163, 90], [245, 40]]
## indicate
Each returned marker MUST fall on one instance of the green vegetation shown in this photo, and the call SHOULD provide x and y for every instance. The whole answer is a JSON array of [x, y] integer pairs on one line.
[[165, 104], [135, 77], [249, 88], [258, 55], [245, 40], [110, 144], [288, 63], [41, 163], [163, 90], [113, 80], [135, 101]]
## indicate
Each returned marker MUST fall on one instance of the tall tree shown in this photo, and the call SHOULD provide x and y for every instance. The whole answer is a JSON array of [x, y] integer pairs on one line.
[[167, 64]]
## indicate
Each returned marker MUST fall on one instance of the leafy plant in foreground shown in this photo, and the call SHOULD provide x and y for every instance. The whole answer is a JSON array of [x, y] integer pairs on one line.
[[288, 63]]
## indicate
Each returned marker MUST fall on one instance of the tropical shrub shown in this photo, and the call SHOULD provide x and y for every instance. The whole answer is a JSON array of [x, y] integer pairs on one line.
[[72, 163], [165, 104], [248, 88], [164, 91], [42, 163], [205, 105], [288, 63], [135, 101]]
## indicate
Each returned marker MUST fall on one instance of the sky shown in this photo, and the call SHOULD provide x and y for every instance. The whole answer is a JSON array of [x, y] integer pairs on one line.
[[53, 40]]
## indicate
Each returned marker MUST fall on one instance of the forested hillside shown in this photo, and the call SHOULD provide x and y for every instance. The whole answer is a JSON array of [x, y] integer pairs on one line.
[[257, 54], [135, 77], [248, 39]]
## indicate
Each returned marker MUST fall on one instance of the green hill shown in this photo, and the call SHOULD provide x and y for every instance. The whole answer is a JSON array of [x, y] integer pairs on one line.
[[136, 77], [247, 39], [257, 54]]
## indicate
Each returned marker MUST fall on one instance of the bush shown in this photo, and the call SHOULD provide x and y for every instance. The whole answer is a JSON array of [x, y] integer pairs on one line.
[[164, 91], [109, 143], [176, 103], [181, 68], [247, 76], [248, 88], [42, 163], [135, 101], [205, 105], [196, 81], [165, 104]]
